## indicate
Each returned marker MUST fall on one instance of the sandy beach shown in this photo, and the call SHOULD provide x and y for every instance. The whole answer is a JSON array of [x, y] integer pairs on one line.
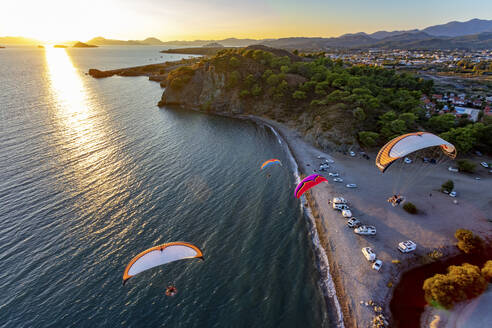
[[432, 229]]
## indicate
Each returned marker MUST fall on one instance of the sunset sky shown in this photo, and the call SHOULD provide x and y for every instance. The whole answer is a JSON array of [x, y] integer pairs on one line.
[[59, 20]]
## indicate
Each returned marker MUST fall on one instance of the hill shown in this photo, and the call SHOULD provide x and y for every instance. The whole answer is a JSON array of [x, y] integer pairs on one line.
[[454, 29], [100, 41], [83, 45]]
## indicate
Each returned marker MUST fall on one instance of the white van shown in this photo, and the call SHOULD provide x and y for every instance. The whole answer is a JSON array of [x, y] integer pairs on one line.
[[407, 246], [369, 254]]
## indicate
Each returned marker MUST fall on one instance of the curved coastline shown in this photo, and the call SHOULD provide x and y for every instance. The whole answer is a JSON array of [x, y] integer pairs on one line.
[[327, 284]]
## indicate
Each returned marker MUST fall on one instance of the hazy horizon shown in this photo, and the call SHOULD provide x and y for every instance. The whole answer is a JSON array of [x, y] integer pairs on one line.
[[58, 21]]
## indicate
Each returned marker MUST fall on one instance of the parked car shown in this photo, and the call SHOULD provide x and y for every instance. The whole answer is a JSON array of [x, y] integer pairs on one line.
[[323, 167], [365, 230], [353, 223], [478, 153], [346, 213], [377, 265], [407, 160], [484, 164], [352, 154], [369, 254], [329, 161], [453, 194], [452, 169], [340, 207], [333, 174], [339, 200], [337, 180], [407, 246], [351, 185], [320, 157]]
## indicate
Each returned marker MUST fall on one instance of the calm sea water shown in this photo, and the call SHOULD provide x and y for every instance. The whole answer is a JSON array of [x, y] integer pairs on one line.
[[92, 173]]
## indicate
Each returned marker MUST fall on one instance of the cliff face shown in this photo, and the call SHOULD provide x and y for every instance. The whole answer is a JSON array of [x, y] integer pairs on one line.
[[207, 87]]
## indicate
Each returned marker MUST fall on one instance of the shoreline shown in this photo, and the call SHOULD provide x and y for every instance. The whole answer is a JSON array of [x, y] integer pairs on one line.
[[327, 283]]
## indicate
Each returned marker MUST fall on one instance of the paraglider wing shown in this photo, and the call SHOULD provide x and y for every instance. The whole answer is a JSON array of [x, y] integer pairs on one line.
[[270, 162], [408, 143], [307, 183], [159, 255]]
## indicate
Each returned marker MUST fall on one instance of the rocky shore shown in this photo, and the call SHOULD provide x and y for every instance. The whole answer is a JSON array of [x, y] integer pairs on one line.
[[155, 72]]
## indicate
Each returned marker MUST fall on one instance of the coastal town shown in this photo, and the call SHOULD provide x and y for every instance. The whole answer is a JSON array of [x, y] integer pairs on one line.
[[478, 62]]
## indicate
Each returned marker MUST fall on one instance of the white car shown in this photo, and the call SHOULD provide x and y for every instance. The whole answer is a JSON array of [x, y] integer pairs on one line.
[[353, 223], [320, 157], [340, 207], [333, 174], [453, 194], [484, 164], [329, 161], [365, 230], [346, 213], [352, 154], [377, 265], [407, 160], [337, 180], [369, 254], [351, 185], [407, 246], [323, 167], [339, 200], [452, 169]]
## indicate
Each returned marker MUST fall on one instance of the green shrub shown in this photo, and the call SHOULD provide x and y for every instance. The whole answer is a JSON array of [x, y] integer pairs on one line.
[[466, 166], [487, 271], [447, 186], [299, 95], [459, 284], [368, 138], [256, 90], [233, 79], [244, 93], [410, 208], [467, 241], [234, 62]]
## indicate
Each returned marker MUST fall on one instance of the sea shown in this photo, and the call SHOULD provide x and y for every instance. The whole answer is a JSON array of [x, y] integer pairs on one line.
[[92, 172]]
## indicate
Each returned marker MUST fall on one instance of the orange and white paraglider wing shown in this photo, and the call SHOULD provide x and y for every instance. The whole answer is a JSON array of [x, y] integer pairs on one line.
[[408, 143], [160, 255]]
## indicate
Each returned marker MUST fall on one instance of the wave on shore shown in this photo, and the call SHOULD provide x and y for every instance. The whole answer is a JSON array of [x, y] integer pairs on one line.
[[327, 284]]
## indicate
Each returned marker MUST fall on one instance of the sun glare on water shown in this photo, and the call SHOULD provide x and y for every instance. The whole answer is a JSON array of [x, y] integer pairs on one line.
[[76, 118]]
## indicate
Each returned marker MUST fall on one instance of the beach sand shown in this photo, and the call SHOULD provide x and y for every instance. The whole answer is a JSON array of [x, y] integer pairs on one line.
[[432, 229]]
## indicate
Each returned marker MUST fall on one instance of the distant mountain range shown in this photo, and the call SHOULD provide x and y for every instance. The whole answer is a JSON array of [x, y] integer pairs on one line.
[[473, 34]]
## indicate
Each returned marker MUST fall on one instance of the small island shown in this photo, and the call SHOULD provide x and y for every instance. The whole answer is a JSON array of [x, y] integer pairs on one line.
[[83, 45], [59, 46]]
